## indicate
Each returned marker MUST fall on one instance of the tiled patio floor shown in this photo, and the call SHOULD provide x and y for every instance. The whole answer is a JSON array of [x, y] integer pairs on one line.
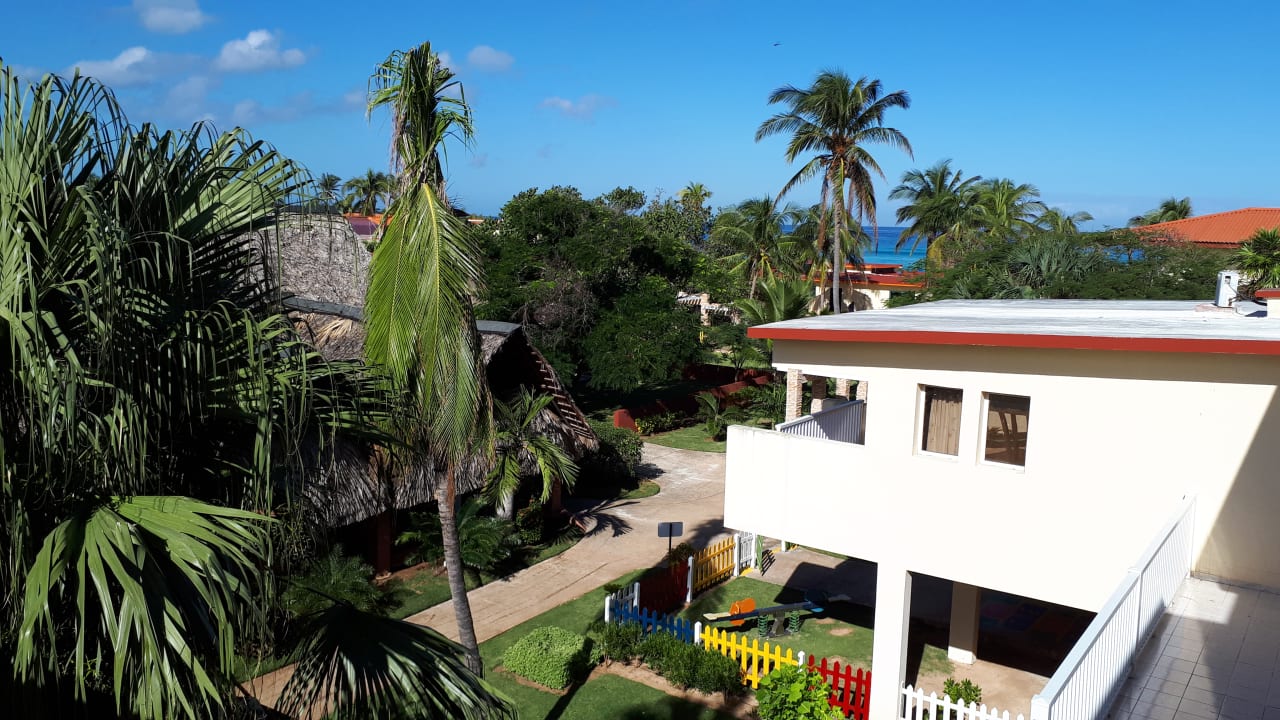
[[1213, 655]]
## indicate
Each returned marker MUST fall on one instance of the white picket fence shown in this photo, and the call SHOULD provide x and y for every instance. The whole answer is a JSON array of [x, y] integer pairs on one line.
[[1089, 678], [918, 706], [744, 551], [628, 596], [744, 557]]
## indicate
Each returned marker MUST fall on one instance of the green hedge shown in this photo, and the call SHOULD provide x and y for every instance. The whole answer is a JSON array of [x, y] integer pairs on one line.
[[690, 666], [552, 656]]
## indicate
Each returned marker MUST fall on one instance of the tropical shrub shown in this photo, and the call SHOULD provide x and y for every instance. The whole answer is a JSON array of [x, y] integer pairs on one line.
[[621, 641], [616, 457], [531, 523], [717, 673], [336, 577], [552, 656], [964, 691], [659, 422], [717, 415], [483, 540], [794, 693]]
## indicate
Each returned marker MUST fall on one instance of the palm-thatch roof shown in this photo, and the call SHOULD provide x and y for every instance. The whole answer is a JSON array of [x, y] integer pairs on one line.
[[326, 311]]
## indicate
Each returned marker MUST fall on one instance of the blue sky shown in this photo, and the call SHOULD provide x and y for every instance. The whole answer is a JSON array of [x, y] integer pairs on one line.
[[1105, 106]]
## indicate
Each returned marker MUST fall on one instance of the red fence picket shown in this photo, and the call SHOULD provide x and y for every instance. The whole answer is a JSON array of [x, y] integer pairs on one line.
[[664, 590], [851, 691]]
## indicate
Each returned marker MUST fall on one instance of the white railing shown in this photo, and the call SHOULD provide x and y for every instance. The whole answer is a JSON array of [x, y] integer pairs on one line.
[[628, 596], [844, 423], [917, 706], [744, 552], [1089, 678]]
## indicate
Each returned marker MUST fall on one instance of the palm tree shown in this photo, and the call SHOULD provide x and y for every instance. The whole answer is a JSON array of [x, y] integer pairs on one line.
[[156, 407], [938, 201], [424, 272], [484, 540], [329, 188], [1005, 210], [1259, 258], [781, 299], [694, 195], [837, 118], [366, 192], [1169, 210], [753, 234], [522, 443], [1058, 221]]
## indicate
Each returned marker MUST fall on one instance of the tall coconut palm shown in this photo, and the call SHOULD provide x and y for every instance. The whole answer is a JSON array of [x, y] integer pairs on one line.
[[1006, 210], [753, 234], [694, 195], [368, 191], [329, 189], [1169, 210], [522, 444], [938, 201], [837, 118], [1058, 221], [424, 272], [156, 404]]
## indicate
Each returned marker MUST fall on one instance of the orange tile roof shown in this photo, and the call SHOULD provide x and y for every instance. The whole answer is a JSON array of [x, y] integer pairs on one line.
[[1218, 229]]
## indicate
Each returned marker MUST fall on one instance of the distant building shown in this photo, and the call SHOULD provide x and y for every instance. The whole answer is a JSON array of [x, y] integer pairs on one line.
[[1224, 230]]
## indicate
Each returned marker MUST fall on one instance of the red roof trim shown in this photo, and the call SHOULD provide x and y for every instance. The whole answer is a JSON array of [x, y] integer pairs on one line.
[[1053, 342], [1268, 293]]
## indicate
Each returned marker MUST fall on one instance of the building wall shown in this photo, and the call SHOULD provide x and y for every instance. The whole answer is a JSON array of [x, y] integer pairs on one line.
[[1115, 440]]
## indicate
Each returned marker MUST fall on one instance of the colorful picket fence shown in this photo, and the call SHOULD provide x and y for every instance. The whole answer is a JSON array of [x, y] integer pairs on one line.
[[713, 564], [851, 691], [656, 622], [756, 659], [666, 589], [628, 596], [917, 706]]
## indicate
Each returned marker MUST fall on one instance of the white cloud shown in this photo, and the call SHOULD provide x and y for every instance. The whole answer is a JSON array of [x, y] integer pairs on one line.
[[259, 50], [134, 66], [188, 101], [483, 57], [250, 112], [447, 60], [584, 107], [479, 160], [170, 16]]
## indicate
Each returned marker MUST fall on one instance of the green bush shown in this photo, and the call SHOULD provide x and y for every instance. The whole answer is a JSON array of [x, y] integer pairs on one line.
[[718, 673], [531, 523], [964, 691], [689, 666], [794, 693], [660, 422], [621, 641], [680, 553], [616, 458], [551, 656]]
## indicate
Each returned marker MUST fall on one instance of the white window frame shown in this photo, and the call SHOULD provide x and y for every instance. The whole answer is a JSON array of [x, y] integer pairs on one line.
[[918, 442], [983, 427]]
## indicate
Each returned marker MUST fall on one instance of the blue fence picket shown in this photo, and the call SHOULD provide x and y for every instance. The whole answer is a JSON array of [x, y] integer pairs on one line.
[[655, 622]]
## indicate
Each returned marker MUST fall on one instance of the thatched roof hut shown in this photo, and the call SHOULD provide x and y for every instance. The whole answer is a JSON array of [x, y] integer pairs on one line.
[[330, 317]]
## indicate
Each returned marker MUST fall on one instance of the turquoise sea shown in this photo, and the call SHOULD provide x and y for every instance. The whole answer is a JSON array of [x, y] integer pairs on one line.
[[881, 249]]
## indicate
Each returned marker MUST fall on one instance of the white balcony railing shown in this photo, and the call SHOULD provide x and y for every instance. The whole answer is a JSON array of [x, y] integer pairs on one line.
[[1086, 683], [846, 422]]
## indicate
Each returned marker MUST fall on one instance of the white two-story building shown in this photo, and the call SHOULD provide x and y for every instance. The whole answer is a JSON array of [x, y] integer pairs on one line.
[[1041, 448]]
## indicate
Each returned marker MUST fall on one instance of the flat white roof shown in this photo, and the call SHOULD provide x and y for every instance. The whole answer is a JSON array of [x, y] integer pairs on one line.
[[1144, 325]]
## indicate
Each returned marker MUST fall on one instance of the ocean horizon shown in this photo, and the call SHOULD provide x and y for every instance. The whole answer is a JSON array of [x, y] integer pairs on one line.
[[881, 248]]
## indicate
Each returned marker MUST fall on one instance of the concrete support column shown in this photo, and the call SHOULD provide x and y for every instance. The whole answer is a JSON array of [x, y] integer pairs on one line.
[[965, 610], [842, 387], [889, 649], [861, 392], [818, 386], [795, 395]]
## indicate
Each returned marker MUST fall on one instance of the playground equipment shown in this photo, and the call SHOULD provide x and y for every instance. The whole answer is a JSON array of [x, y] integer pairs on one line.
[[777, 619]]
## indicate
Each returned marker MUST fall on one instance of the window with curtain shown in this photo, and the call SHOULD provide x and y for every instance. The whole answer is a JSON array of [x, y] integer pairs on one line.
[[940, 430], [1007, 417]]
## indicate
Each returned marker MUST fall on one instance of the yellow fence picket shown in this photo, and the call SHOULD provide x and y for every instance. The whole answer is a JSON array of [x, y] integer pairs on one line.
[[755, 659], [712, 564]]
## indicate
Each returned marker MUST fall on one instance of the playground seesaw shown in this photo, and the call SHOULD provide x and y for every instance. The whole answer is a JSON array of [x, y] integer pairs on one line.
[[781, 618]]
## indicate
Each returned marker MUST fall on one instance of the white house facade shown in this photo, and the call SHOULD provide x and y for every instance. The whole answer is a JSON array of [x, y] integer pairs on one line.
[[1041, 443]]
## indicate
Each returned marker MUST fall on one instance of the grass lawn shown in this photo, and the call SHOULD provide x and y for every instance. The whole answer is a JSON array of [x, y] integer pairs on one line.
[[842, 630], [604, 697], [648, 488], [693, 437]]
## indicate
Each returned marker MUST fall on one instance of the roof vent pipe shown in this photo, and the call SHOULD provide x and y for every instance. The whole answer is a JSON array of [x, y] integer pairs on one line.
[[1228, 288]]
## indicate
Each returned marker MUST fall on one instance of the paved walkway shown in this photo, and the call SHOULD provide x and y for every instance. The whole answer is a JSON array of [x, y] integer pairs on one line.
[[622, 536], [1215, 654]]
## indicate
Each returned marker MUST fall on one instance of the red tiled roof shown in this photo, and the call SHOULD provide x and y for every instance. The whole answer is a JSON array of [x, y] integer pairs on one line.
[[1218, 229]]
